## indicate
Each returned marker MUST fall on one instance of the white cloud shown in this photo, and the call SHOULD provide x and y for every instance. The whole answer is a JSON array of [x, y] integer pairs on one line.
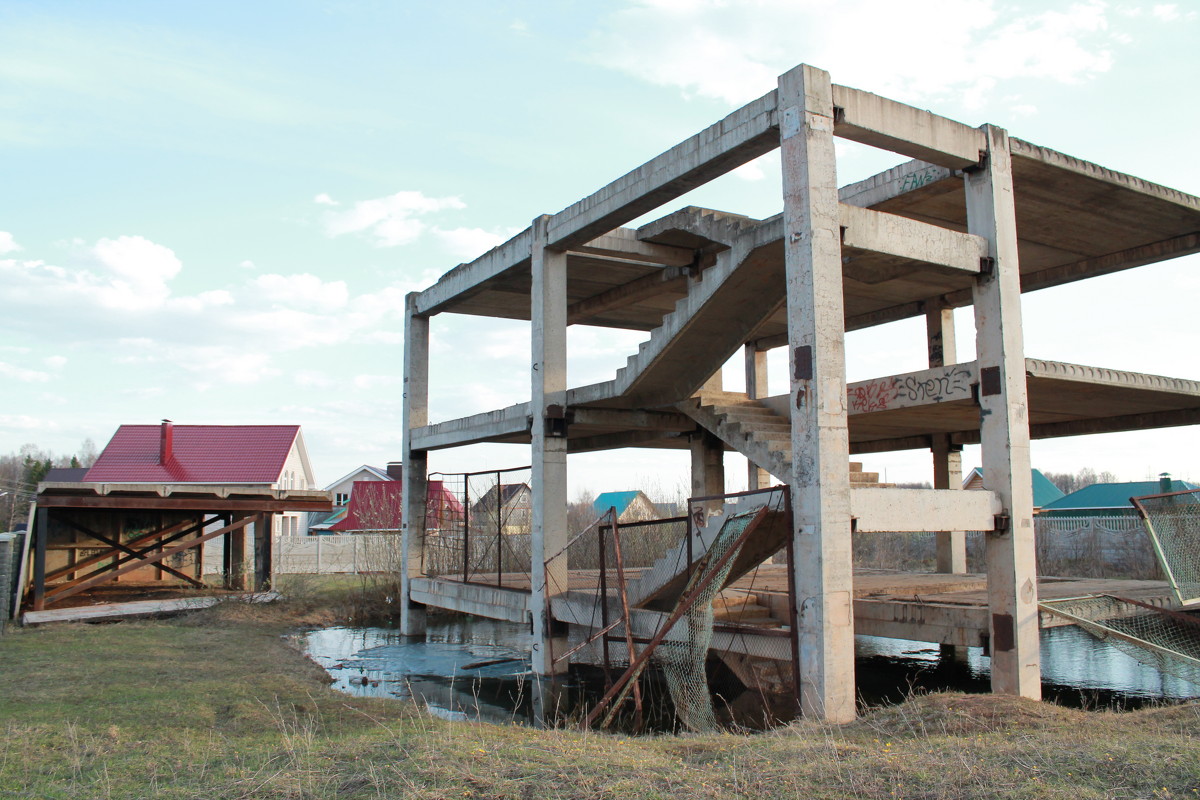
[[302, 291], [137, 271], [376, 381], [247, 264], [390, 221], [55, 362], [1167, 12], [7, 243], [325, 200], [21, 374], [722, 50], [469, 242]]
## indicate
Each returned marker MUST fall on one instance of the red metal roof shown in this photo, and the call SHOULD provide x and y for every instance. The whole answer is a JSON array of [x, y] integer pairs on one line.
[[199, 454], [378, 506]]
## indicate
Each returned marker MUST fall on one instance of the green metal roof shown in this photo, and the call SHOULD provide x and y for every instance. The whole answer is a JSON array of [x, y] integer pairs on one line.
[[1044, 492], [1113, 495], [618, 500]]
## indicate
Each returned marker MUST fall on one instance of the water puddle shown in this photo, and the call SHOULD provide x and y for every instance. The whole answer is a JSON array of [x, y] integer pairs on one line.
[[476, 669]]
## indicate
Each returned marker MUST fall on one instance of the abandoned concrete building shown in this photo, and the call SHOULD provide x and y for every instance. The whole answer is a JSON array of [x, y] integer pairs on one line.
[[976, 218]]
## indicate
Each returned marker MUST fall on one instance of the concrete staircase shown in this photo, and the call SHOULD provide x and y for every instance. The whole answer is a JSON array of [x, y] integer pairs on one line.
[[722, 309], [660, 586], [758, 433]]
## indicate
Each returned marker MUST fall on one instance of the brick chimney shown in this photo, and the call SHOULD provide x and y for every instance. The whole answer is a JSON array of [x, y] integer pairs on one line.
[[166, 441], [395, 470]]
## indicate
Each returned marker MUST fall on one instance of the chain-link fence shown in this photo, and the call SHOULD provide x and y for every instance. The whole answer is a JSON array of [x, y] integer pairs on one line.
[[1077, 547], [710, 647], [1166, 640], [478, 527], [1173, 522]]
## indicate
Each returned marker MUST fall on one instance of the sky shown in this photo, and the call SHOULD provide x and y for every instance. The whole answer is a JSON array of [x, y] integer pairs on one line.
[[211, 212]]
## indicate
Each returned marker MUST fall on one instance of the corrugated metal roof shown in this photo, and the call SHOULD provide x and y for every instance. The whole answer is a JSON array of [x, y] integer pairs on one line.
[[200, 454], [374, 506], [1114, 495], [1044, 492], [618, 500]]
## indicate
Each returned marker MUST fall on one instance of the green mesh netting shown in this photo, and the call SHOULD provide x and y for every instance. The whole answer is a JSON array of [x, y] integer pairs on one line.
[[1168, 641], [1173, 522]]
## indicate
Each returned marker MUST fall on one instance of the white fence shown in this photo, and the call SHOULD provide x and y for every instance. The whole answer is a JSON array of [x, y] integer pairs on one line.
[[313, 555]]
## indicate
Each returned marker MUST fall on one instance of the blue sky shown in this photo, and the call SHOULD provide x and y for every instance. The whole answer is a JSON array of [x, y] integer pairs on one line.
[[212, 211]]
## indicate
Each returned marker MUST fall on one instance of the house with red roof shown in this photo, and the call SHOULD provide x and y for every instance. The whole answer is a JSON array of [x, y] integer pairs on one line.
[[260, 456]]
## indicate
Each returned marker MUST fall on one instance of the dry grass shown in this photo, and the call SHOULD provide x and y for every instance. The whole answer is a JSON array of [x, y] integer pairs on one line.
[[217, 705]]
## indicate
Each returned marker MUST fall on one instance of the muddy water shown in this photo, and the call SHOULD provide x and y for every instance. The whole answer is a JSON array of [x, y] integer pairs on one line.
[[468, 668]]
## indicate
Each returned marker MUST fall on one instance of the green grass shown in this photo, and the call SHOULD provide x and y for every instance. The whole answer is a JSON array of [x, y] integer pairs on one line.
[[218, 705]]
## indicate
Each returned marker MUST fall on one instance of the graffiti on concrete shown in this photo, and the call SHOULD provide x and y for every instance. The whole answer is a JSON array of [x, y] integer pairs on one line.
[[948, 383]]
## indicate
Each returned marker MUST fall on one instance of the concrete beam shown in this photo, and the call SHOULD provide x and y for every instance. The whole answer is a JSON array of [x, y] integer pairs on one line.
[[467, 278], [741, 137], [883, 510], [906, 238], [667, 279], [964, 626], [756, 388], [469, 598], [615, 441], [624, 243], [902, 179], [631, 419], [485, 427], [923, 387], [870, 119]]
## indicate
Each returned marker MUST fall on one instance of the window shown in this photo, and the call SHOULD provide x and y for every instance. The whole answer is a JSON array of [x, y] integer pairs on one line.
[[341, 498]]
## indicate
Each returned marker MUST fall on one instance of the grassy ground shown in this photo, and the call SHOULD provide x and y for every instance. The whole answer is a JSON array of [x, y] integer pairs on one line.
[[218, 705]]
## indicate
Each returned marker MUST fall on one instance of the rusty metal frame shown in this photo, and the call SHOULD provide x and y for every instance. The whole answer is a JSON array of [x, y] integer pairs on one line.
[[617, 693]]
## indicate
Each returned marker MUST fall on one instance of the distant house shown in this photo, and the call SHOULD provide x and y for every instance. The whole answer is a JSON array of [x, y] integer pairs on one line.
[[1112, 499], [505, 506], [375, 504], [260, 456], [342, 488], [1044, 492], [631, 506]]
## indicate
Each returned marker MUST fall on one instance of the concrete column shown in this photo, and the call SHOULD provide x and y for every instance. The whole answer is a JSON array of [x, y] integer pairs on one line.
[[756, 389], [708, 468], [947, 458], [1004, 429], [415, 474], [263, 543], [548, 434], [820, 442]]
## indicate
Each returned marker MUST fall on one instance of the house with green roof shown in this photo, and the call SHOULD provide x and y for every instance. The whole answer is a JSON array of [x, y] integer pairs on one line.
[[1112, 499], [631, 506], [1044, 492]]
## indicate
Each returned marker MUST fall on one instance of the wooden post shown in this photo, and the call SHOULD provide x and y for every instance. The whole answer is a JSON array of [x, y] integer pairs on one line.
[[42, 533], [1004, 427], [263, 545], [548, 313], [820, 440], [235, 577], [415, 414]]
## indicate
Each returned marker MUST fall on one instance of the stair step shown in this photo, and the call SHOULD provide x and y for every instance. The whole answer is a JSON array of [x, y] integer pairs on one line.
[[864, 477], [742, 613]]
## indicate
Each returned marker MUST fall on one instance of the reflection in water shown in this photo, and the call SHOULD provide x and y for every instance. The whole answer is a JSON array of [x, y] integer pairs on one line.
[[470, 668]]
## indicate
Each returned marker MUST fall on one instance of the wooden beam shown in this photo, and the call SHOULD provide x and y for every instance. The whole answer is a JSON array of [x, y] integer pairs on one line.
[[206, 504], [165, 553], [116, 546]]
